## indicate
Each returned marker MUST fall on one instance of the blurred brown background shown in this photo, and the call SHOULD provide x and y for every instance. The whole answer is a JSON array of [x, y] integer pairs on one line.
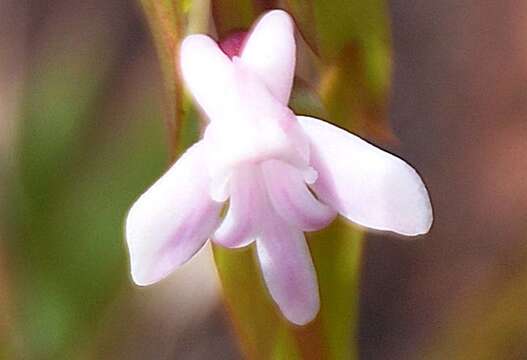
[[459, 109]]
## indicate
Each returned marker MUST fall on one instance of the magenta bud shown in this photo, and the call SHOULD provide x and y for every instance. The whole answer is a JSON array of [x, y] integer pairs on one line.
[[233, 43]]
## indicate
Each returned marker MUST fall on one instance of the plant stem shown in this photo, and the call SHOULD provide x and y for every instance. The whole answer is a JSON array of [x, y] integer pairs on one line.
[[164, 20]]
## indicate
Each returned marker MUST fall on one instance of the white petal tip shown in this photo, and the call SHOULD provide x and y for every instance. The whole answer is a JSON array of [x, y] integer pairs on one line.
[[147, 273], [418, 225], [310, 175], [423, 217], [302, 317], [141, 280], [195, 40], [279, 16], [142, 270], [425, 225], [302, 311], [219, 190], [190, 46]]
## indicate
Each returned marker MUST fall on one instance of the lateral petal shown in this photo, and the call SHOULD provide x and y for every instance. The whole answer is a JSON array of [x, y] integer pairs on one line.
[[369, 186], [172, 220]]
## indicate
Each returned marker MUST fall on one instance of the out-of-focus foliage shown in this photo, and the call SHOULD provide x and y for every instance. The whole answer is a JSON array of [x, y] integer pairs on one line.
[[352, 39], [73, 182], [490, 326], [233, 15], [165, 22]]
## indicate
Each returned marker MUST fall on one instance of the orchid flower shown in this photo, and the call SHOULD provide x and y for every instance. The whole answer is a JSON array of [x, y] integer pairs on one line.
[[280, 174]]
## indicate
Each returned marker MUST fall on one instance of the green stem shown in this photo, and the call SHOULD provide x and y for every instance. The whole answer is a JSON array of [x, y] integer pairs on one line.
[[164, 20]]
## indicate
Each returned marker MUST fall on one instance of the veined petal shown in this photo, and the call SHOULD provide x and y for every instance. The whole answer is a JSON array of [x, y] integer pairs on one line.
[[209, 74], [291, 198], [288, 271], [238, 227], [369, 186], [172, 220], [270, 52]]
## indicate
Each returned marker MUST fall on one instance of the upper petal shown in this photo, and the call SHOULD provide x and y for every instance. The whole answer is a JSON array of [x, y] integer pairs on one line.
[[288, 271], [209, 74], [369, 186], [172, 220], [270, 53]]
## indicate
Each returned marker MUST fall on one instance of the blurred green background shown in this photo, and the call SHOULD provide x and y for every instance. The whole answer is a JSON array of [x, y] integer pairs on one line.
[[82, 135]]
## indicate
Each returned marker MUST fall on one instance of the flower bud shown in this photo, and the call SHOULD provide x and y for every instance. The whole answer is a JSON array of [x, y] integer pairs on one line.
[[233, 43]]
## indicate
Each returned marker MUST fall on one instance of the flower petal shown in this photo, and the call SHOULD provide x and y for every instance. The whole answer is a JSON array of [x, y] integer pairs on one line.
[[172, 220], [369, 186], [238, 226], [291, 198], [270, 52], [288, 271], [209, 74]]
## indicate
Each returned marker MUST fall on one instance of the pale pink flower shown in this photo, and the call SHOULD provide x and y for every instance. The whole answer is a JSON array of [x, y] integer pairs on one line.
[[280, 174]]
